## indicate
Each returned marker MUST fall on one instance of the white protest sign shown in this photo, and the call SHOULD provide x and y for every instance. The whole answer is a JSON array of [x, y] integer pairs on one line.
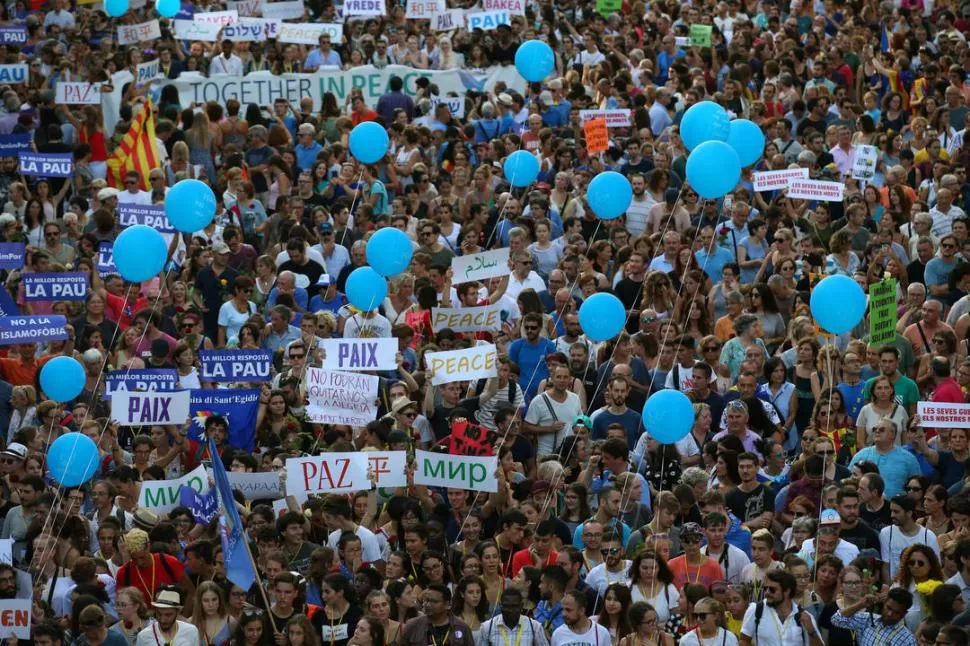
[[864, 163], [423, 9], [304, 33], [243, 8], [513, 7], [479, 266], [614, 118], [774, 180], [937, 415], [456, 471], [682, 41], [813, 189], [190, 30], [327, 473], [448, 20], [130, 34], [363, 7], [6, 551], [15, 618], [456, 105], [292, 10], [257, 486], [341, 397], [217, 17], [147, 72], [360, 354], [487, 318], [480, 361], [389, 468], [70, 93], [249, 30], [162, 496], [146, 408], [488, 20]]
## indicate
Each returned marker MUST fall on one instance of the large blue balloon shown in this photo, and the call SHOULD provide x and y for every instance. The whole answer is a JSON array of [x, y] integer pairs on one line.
[[609, 195], [368, 142], [167, 8], [838, 304], [668, 416], [713, 169], [748, 141], [534, 60], [116, 8], [521, 168], [389, 251], [190, 205], [73, 459], [62, 379], [366, 289], [704, 121], [602, 316], [139, 253]]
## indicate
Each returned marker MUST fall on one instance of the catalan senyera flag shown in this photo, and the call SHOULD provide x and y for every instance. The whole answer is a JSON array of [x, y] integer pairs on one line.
[[138, 151]]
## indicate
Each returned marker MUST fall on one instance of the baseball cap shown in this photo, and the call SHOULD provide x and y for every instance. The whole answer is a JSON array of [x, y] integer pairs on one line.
[[324, 280], [15, 449], [220, 247], [326, 227]]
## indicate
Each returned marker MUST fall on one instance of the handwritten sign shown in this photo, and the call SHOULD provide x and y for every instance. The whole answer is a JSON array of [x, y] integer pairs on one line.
[[66, 93], [140, 409], [480, 266], [864, 162], [33, 328], [614, 118], [360, 354], [488, 20], [774, 180], [487, 318], [424, 9], [813, 189], [292, 10], [334, 397], [257, 486], [512, 7], [56, 286], [191, 30], [13, 73], [882, 312], [146, 31], [304, 33], [245, 7], [221, 18], [147, 380], [147, 72], [15, 618], [456, 471], [448, 20], [345, 472], [480, 361], [700, 35], [150, 215], [597, 136], [936, 415], [364, 7], [235, 365], [162, 496]]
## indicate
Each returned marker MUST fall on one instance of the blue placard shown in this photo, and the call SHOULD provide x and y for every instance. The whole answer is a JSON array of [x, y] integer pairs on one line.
[[46, 164], [239, 407], [106, 262], [235, 365], [12, 255], [13, 34], [204, 506], [186, 12], [12, 144], [37, 328], [56, 286], [7, 305], [152, 215], [148, 380]]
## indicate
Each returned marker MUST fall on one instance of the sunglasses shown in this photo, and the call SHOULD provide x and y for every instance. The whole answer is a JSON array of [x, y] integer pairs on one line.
[[914, 488], [610, 551], [701, 616], [297, 356], [917, 563]]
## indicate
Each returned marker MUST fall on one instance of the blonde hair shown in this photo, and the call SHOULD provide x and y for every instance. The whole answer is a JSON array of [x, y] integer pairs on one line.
[[28, 392]]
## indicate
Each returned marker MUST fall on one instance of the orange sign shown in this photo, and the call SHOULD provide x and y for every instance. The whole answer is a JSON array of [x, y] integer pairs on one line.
[[597, 136]]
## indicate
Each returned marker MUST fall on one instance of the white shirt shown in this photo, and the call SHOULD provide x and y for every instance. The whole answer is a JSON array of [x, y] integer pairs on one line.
[[943, 222], [532, 281], [186, 635], [892, 542], [732, 561], [846, 551], [339, 259], [774, 632], [370, 548], [375, 327], [600, 579], [143, 198], [538, 414], [666, 599], [597, 635], [636, 215], [221, 66], [958, 580], [693, 639], [494, 632]]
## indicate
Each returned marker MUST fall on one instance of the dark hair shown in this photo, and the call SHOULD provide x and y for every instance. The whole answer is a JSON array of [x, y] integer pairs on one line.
[[941, 602], [458, 603]]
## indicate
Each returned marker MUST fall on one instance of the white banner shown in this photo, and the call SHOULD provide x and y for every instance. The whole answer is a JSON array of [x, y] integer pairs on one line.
[[456, 105], [147, 72], [938, 415], [162, 496], [139, 408], [207, 32], [146, 31], [864, 162], [221, 18], [487, 318], [364, 7], [257, 486], [305, 33], [327, 473], [448, 20], [423, 9], [774, 180], [513, 7], [249, 30], [292, 10], [360, 354], [15, 618], [479, 266], [456, 471], [813, 189], [480, 361], [69, 93], [488, 20], [614, 118], [388, 467], [347, 398], [247, 8]]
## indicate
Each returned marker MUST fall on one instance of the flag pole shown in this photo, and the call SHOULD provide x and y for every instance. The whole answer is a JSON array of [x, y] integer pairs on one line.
[[259, 584]]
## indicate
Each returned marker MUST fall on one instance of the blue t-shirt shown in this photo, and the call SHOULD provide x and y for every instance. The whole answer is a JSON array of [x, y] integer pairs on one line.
[[713, 263], [853, 397], [938, 272], [630, 420], [531, 360]]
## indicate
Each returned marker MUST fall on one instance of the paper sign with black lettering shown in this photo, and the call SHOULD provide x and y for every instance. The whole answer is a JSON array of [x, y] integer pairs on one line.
[[145, 380], [364, 7], [292, 10], [334, 397], [478, 362], [13, 143], [140, 409], [360, 354], [162, 496], [479, 266], [106, 262], [46, 164], [13, 34], [235, 365], [151, 215], [773, 180], [345, 472], [204, 506], [12, 255], [487, 318], [456, 471], [55, 286], [35, 328], [15, 618], [423, 9], [252, 30], [72, 93], [488, 20], [816, 190], [13, 73], [257, 486], [448, 20]]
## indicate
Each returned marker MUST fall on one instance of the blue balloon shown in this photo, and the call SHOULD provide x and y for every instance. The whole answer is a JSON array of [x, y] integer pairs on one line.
[[366, 289], [62, 379], [140, 253], [521, 168], [368, 142], [668, 416], [116, 8], [609, 195], [748, 141], [190, 205], [713, 169], [838, 304], [389, 251], [73, 459], [602, 316], [167, 8], [534, 60], [704, 121]]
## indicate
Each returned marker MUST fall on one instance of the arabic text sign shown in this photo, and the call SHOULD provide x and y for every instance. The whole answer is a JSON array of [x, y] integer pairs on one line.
[[456, 471], [130, 34], [479, 266], [774, 180], [140, 409], [35, 328], [78, 93], [424, 9], [448, 20], [304, 33], [13, 73], [56, 286], [480, 361], [487, 318], [292, 10], [336, 397], [363, 7], [235, 365], [190, 30], [345, 472], [360, 354], [864, 162], [934, 415], [512, 7], [488, 20], [217, 17], [46, 164], [162, 496], [614, 118], [12, 255], [15, 618], [151, 215], [146, 380], [882, 312], [257, 486], [813, 189]]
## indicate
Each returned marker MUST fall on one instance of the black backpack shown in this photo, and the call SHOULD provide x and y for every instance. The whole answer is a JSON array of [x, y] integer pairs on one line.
[[759, 611]]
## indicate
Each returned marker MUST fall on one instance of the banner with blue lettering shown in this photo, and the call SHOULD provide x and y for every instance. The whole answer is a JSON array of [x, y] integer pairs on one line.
[[204, 506], [150, 215], [12, 253], [13, 143], [56, 286], [106, 262], [148, 380], [7, 305], [13, 34], [235, 365], [14, 73], [239, 407], [37, 328], [45, 164]]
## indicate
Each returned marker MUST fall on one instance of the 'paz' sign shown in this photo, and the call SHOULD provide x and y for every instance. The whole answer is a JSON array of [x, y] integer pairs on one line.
[[77, 93], [140, 409]]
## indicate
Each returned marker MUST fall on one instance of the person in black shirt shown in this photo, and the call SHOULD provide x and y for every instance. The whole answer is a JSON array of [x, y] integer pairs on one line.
[[300, 263], [751, 501], [508, 423], [630, 289], [855, 530], [874, 509], [815, 119]]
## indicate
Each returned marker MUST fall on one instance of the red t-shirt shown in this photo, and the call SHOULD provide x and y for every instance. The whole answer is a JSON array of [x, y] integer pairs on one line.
[[150, 579], [949, 392], [708, 572], [122, 313], [523, 558]]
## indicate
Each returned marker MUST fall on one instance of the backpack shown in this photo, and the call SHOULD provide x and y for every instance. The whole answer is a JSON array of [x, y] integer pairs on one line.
[[759, 611], [165, 566]]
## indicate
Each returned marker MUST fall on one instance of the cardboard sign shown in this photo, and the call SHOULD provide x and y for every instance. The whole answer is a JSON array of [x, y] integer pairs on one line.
[[35, 328], [304, 33], [341, 397], [12, 255], [511, 7], [146, 31], [191, 30], [487, 318], [488, 20], [257, 486], [235, 365], [292, 10], [63, 286], [145, 380], [140, 409], [150, 215], [480, 361], [480, 266], [46, 164], [700, 35], [77, 93], [614, 118], [813, 189], [456, 471], [448, 20], [364, 7], [15, 618], [221, 18], [864, 162], [14, 73], [597, 136], [775, 180], [345, 472], [424, 9], [162, 496], [147, 72], [882, 312], [360, 354], [934, 415]]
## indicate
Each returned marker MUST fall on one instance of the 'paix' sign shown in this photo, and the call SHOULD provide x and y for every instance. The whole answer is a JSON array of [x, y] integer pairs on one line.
[[140, 409], [360, 354]]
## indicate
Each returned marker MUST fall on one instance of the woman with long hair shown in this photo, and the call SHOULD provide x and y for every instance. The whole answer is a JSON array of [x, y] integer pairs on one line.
[[199, 138], [658, 295], [133, 614], [652, 581], [946, 602], [210, 615], [369, 631], [726, 474], [272, 418], [917, 564], [613, 612], [934, 505], [340, 612], [492, 575], [882, 406], [765, 307], [251, 630], [469, 603], [646, 629], [378, 605], [299, 632], [661, 466], [404, 601], [830, 420], [575, 505], [747, 334], [709, 629]]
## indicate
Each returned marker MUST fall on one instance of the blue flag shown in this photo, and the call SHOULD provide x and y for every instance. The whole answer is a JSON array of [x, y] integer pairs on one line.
[[235, 551], [238, 406], [204, 506], [884, 45]]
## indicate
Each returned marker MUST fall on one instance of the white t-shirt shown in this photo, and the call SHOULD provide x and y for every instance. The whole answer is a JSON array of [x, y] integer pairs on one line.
[[232, 319], [600, 579], [732, 561], [774, 632], [540, 415], [667, 599], [142, 198], [187, 635], [375, 327], [723, 638], [892, 542], [597, 635], [370, 548]]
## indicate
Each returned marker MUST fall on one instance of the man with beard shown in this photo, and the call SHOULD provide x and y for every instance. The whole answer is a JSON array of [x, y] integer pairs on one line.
[[630, 289], [12, 584], [827, 541], [613, 570], [511, 624], [552, 588], [887, 628], [778, 621], [581, 368], [636, 213], [578, 629], [549, 413], [167, 629], [854, 530], [752, 502]]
